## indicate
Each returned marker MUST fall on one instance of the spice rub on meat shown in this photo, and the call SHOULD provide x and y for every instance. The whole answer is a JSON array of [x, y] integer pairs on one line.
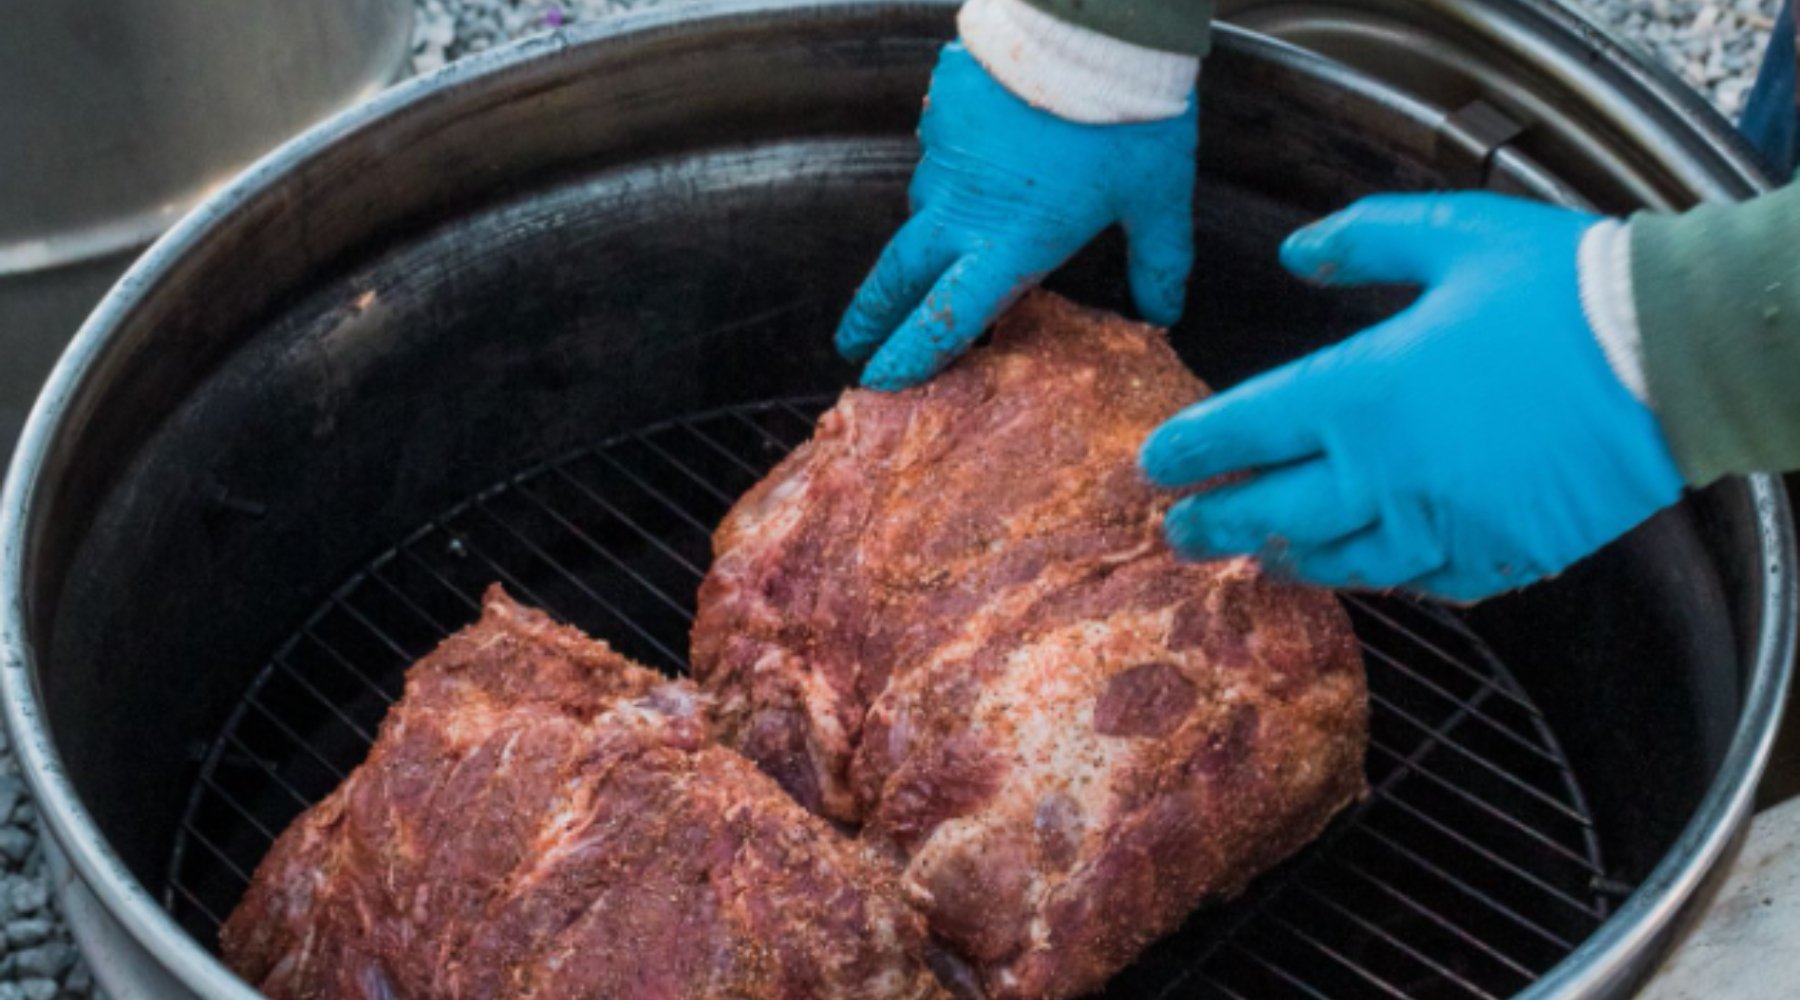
[[540, 818], [950, 618]]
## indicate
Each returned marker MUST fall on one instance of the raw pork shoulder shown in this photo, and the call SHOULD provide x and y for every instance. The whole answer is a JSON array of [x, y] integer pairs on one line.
[[542, 819], [950, 618]]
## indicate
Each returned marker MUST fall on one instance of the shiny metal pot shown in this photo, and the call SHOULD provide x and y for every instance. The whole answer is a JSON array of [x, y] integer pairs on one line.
[[538, 248], [120, 115]]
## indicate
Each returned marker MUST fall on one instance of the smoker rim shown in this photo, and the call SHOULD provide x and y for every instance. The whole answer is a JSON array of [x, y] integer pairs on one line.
[[1604, 957]]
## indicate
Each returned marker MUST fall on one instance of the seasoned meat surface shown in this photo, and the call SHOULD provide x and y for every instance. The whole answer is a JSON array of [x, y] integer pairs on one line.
[[950, 618], [540, 818]]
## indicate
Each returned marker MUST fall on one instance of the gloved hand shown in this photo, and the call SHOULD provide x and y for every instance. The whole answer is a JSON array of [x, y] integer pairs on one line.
[[1474, 443], [1004, 195]]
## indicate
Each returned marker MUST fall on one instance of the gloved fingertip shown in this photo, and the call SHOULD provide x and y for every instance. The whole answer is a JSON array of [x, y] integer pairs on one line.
[[1167, 454], [1188, 543], [1162, 309], [1161, 259], [1161, 296], [1310, 253], [851, 343], [902, 363], [1185, 528], [845, 340], [887, 379], [1153, 460]]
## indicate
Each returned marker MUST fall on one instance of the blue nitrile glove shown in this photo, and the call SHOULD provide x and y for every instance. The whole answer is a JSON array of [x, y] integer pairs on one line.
[[1474, 443], [1004, 195]]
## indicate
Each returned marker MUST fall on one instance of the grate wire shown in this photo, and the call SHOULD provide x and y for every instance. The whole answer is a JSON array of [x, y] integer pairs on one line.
[[1471, 869]]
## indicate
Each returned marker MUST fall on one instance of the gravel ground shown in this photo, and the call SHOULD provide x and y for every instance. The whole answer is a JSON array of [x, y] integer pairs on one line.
[[1715, 45], [446, 29], [37, 959]]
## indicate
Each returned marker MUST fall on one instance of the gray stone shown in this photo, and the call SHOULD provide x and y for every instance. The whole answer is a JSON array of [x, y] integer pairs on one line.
[[48, 961], [16, 844], [1714, 45], [12, 792], [27, 932], [28, 896], [38, 989]]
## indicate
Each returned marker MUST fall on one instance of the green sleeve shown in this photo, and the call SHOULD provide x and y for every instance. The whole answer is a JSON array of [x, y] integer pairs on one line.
[[1717, 292], [1183, 26]]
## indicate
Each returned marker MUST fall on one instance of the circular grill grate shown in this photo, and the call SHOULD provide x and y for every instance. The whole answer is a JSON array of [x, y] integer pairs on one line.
[[1471, 869]]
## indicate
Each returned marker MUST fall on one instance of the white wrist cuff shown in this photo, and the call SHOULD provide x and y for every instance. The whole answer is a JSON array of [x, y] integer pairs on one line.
[[1074, 72], [1604, 262]]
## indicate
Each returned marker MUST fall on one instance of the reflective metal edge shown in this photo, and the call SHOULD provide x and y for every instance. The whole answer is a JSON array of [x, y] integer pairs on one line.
[[1657, 135], [1624, 950]]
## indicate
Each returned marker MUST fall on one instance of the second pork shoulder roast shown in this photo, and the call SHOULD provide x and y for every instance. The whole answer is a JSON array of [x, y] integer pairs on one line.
[[950, 619], [542, 819]]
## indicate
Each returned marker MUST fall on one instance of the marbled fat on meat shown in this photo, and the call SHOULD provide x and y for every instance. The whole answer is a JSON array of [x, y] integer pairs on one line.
[[542, 819], [950, 619]]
